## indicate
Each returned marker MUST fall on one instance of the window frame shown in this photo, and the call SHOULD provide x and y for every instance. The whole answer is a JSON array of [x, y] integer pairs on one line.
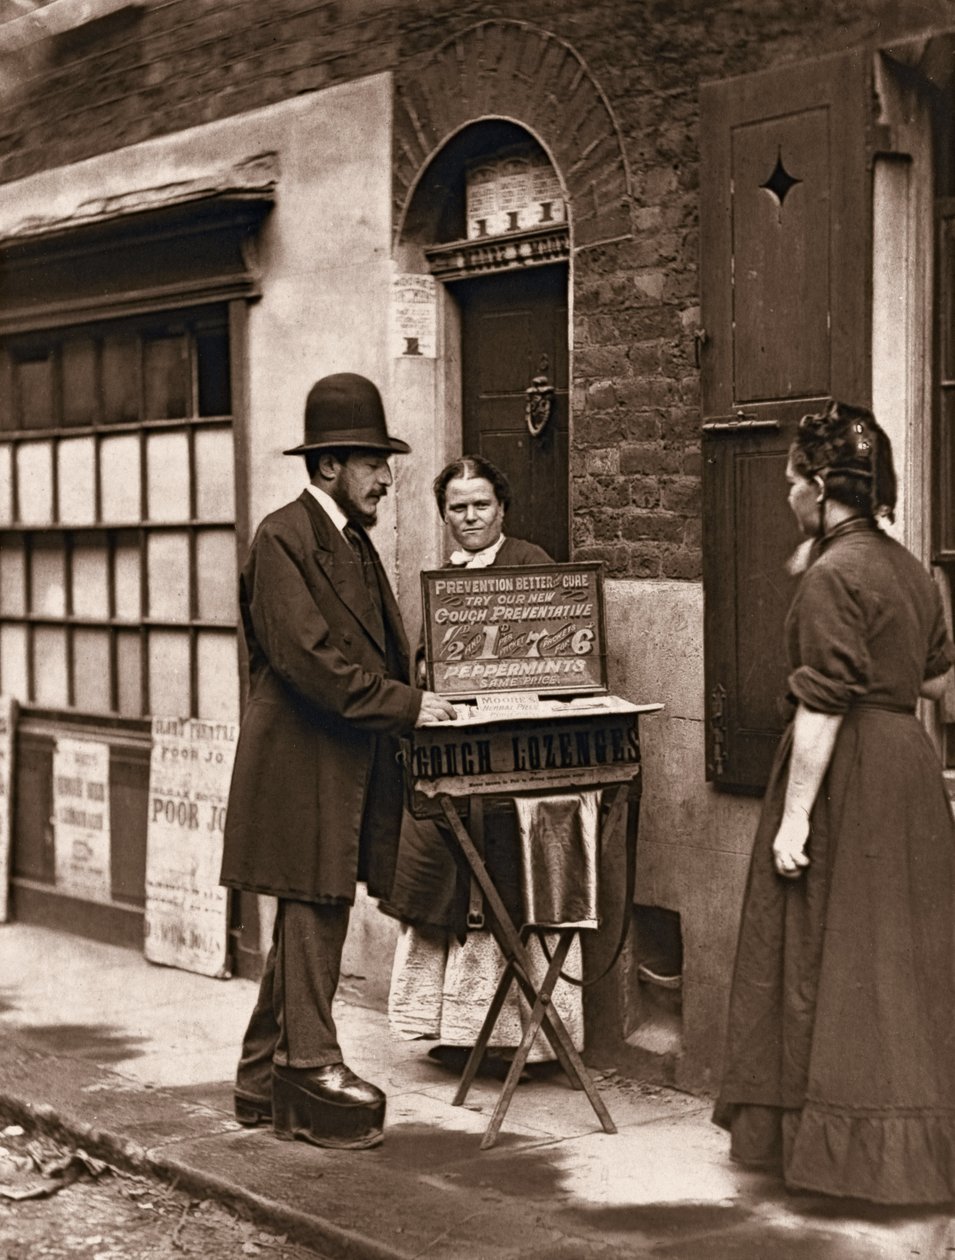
[[191, 325]]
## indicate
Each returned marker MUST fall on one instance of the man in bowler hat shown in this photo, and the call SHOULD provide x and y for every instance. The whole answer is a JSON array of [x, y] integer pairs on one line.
[[316, 795]]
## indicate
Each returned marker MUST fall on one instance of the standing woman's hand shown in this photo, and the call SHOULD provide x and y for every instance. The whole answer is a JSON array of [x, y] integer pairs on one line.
[[814, 738], [789, 847]]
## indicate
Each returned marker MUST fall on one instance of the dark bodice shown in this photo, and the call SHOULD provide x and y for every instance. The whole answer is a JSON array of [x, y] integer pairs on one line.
[[866, 625]]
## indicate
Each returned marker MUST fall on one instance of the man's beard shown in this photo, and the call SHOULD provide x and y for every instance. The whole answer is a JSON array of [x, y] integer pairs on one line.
[[356, 512], [361, 517]]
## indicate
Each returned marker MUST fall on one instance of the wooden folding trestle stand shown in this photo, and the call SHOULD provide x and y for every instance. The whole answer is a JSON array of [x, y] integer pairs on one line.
[[521, 653], [544, 1015]]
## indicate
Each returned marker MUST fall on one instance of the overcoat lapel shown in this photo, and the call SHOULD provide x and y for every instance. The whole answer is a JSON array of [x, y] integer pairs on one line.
[[390, 608], [343, 571]]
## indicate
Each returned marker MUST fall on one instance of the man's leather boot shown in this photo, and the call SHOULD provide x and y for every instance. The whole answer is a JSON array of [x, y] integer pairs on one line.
[[252, 1109], [327, 1106]]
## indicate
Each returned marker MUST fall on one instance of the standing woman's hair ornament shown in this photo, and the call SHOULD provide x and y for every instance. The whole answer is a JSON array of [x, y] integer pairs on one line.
[[847, 450]]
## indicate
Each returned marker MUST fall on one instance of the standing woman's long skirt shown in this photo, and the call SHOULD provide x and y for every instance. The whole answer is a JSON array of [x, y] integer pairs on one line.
[[841, 1044]]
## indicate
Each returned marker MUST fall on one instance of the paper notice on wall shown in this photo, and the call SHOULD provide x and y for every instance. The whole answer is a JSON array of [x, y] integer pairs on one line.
[[414, 314], [512, 194], [190, 768], [8, 721], [81, 830]]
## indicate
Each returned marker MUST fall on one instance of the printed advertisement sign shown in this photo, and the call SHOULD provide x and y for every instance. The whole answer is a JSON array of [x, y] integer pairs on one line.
[[414, 316], [81, 830], [538, 628], [8, 722], [553, 754], [186, 909]]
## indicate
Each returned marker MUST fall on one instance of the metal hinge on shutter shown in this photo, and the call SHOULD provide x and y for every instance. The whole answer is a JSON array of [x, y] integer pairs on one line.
[[717, 721], [740, 422]]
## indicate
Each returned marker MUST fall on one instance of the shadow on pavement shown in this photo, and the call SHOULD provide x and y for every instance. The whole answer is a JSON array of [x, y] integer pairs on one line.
[[99, 1042], [511, 1166], [740, 1232], [6, 1002], [216, 1094], [858, 1210]]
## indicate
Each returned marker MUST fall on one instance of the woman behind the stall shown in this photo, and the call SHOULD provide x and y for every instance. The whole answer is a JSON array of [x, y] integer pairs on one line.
[[444, 975], [841, 1061]]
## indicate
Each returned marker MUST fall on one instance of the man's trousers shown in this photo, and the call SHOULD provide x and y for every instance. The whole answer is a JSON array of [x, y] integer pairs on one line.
[[292, 1022]]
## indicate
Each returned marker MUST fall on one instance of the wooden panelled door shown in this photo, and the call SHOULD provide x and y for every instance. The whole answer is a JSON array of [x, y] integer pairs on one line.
[[514, 328]]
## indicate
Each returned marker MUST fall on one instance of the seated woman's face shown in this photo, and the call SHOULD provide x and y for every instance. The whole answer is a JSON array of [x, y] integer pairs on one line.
[[473, 513]]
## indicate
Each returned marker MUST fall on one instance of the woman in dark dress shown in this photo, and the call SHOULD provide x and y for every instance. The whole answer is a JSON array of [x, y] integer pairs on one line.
[[840, 1067]]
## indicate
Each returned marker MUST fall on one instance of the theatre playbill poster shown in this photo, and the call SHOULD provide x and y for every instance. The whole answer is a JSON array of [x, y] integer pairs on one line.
[[186, 908], [81, 831]]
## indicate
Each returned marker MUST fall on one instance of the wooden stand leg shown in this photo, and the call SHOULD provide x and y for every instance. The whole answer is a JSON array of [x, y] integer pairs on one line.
[[538, 1014], [484, 1036], [512, 973], [505, 933], [545, 1027], [544, 1014], [556, 1044]]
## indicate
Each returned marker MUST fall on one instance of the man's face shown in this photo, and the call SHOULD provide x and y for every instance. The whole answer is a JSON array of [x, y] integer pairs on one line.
[[361, 481], [473, 513]]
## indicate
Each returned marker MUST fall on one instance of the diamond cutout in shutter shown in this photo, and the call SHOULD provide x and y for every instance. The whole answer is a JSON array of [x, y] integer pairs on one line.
[[780, 183]]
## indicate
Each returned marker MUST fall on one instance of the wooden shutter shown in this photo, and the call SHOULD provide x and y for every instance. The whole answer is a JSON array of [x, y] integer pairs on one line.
[[785, 236]]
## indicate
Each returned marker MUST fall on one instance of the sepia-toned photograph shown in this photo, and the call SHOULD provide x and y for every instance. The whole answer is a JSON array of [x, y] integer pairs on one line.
[[477, 563]]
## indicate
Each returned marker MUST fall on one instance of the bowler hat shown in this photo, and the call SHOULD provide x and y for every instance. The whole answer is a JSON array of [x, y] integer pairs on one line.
[[346, 410]]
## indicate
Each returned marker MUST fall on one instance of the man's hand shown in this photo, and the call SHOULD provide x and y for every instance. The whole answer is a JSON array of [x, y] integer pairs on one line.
[[789, 847], [434, 708]]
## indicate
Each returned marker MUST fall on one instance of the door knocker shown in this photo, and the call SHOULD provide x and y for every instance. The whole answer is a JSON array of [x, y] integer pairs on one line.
[[540, 400]]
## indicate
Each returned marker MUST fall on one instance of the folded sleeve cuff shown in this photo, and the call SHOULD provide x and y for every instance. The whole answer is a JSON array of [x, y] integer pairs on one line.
[[822, 694], [941, 662]]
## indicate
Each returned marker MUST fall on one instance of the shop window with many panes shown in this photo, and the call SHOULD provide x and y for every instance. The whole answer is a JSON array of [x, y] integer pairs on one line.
[[117, 517]]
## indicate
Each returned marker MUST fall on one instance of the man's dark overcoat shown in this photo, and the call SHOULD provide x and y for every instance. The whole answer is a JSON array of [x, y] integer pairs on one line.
[[315, 802]]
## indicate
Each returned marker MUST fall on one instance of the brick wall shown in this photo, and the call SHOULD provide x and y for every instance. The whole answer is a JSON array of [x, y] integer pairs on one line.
[[635, 462], [175, 64]]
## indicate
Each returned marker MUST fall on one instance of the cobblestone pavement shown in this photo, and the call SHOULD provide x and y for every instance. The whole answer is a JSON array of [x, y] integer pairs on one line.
[[114, 1215]]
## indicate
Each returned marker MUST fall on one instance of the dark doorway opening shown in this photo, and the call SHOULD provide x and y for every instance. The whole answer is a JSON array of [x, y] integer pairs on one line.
[[513, 330]]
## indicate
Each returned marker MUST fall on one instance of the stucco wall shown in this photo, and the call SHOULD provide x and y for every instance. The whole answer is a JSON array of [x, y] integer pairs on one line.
[[694, 842], [324, 253]]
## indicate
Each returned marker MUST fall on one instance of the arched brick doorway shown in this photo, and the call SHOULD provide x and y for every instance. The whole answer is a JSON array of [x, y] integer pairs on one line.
[[487, 92]]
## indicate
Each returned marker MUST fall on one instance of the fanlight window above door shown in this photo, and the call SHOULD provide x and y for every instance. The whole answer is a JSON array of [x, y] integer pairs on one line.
[[512, 212], [512, 193]]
